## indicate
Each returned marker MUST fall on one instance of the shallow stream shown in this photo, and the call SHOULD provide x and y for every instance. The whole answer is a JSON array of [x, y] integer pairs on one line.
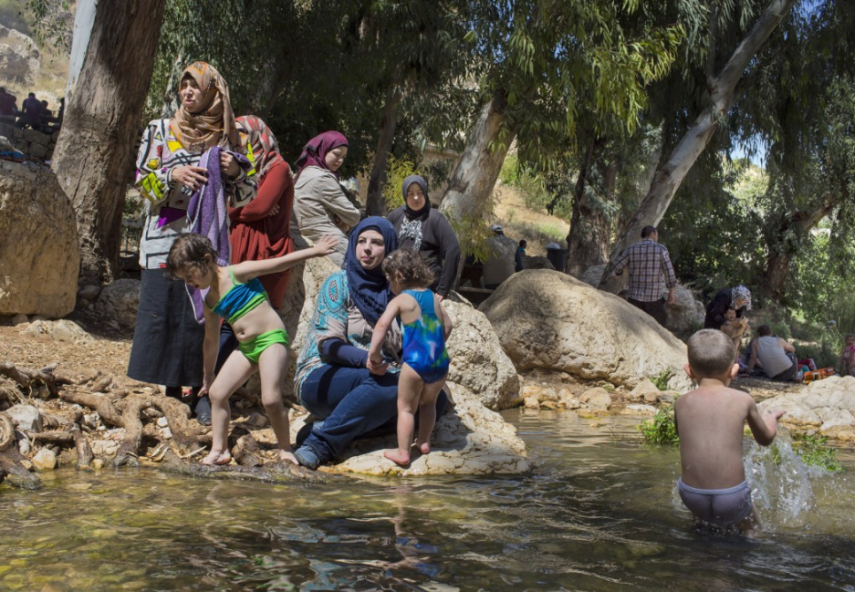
[[599, 513]]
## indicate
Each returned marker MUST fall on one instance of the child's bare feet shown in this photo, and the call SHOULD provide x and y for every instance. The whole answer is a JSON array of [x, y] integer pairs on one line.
[[288, 456], [424, 447], [401, 457], [216, 457]]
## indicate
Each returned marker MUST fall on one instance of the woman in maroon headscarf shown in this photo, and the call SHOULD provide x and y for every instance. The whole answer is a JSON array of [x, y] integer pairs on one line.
[[320, 205]]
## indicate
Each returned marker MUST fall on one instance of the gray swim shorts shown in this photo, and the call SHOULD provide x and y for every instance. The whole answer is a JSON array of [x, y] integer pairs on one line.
[[721, 507]]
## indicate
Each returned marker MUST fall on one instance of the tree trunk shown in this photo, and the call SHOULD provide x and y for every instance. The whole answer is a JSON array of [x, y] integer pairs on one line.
[[588, 240], [471, 185], [375, 205], [794, 226], [94, 155], [670, 176]]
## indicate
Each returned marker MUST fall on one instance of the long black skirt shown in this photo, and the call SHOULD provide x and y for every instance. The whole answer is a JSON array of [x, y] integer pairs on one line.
[[167, 346]]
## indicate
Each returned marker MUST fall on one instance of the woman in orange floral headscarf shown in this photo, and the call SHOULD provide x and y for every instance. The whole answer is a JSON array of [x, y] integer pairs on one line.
[[167, 346]]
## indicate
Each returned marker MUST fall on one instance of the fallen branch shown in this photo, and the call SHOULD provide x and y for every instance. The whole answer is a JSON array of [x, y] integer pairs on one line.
[[26, 377], [103, 404], [129, 451]]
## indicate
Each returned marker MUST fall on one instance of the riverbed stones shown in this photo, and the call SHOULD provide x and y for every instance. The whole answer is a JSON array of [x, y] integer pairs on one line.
[[643, 390], [637, 410], [825, 405], [597, 399], [44, 460], [25, 417], [549, 320], [38, 239]]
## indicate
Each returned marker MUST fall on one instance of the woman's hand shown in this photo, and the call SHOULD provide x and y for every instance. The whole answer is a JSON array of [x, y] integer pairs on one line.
[[229, 165], [191, 177], [274, 210], [376, 365]]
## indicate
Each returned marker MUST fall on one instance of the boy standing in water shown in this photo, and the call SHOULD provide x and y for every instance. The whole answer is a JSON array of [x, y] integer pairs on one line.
[[709, 421]]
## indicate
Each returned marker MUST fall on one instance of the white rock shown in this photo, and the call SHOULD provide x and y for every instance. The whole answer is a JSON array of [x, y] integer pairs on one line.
[[643, 388], [827, 404], [162, 422], [597, 398], [469, 440], [61, 330], [167, 434], [104, 448], [639, 410], [532, 403], [24, 447], [549, 320], [44, 460], [38, 241], [26, 417]]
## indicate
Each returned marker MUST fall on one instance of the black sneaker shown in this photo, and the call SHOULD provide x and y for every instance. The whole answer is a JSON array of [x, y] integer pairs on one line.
[[307, 457], [203, 411], [306, 431]]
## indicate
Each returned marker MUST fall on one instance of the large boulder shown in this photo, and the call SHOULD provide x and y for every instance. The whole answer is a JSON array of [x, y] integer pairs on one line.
[[40, 257], [549, 320], [593, 275], [19, 57], [119, 302], [478, 362], [827, 405], [687, 312]]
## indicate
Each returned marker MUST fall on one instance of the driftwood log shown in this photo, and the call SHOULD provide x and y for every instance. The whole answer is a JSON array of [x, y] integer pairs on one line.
[[136, 413]]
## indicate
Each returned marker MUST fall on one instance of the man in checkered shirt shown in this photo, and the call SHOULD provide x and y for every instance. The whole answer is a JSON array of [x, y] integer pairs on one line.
[[648, 261]]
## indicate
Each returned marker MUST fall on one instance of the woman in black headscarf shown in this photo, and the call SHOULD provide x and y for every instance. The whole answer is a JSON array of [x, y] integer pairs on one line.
[[424, 229]]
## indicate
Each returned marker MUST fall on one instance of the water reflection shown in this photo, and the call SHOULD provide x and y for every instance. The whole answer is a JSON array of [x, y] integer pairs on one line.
[[599, 513]]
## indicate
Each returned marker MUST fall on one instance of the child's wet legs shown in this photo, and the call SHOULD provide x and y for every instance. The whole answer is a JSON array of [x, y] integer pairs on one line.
[[272, 366], [234, 373], [410, 386], [427, 414]]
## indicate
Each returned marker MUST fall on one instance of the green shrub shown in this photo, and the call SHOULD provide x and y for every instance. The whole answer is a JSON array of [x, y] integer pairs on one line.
[[815, 451], [397, 169], [510, 173], [662, 429], [661, 379]]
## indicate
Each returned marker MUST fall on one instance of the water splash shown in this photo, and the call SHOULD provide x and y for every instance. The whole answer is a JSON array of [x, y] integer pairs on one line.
[[780, 483]]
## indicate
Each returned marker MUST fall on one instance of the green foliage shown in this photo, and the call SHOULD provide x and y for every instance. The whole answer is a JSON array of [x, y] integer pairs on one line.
[[660, 381], [396, 171], [49, 22], [473, 232], [815, 451], [662, 429]]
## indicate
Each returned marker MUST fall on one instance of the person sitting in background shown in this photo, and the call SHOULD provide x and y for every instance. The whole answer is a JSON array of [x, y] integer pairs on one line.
[[499, 264], [848, 356], [8, 106], [31, 113], [520, 254], [776, 355]]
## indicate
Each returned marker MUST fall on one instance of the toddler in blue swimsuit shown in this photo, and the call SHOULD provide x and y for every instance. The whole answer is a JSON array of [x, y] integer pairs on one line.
[[426, 329], [235, 293], [710, 421]]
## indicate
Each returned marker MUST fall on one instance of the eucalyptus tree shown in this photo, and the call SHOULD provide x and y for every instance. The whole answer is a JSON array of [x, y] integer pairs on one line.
[[722, 81], [94, 153], [545, 61]]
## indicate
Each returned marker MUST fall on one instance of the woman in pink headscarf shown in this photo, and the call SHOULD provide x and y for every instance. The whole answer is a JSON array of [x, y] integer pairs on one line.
[[320, 205]]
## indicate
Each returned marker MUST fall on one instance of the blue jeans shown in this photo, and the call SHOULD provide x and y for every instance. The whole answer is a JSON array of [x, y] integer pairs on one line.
[[353, 403]]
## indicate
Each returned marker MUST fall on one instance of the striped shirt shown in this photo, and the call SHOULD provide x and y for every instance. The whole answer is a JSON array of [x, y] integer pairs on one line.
[[648, 261]]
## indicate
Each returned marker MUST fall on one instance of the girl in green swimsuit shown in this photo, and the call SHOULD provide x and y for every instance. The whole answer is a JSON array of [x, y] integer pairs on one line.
[[234, 293]]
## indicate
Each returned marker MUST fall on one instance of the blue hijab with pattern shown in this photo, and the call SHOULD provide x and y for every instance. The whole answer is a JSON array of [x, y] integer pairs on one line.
[[369, 289]]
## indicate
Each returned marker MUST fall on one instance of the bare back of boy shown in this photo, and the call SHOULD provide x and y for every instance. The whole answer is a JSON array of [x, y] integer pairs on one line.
[[710, 421]]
